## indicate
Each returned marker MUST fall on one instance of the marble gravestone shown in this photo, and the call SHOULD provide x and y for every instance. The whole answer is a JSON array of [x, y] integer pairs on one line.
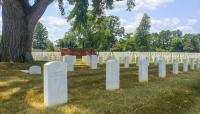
[[55, 83], [126, 62], [45, 58], [93, 62], [35, 70], [112, 75], [192, 64], [143, 69], [156, 60], [100, 60], [175, 66], [185, 65], [69, 61], [137, 60], [83, 58], [147, 60], [198, 63], [120, 60], [74, 60], [87, 61], [130, 59], [162, 68]]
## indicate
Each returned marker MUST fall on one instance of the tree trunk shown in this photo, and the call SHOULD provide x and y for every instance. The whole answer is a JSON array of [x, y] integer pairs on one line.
[[18, 27], [16, 41], [16, 38]]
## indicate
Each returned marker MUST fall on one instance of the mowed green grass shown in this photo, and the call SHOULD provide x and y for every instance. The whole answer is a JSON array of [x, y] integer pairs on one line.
[[22, 93]]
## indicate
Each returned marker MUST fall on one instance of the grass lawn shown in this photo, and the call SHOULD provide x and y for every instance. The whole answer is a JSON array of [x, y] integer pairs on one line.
[[177, 94]]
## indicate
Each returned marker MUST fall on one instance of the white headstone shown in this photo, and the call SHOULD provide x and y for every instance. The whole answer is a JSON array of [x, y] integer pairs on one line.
[[74, 60], [185, 65], [69, 61], [100, 60], [198, 63], [126, 64], [83, 58], [156, 61], [192, 64], [112, 75], [45, 58], [120, 59], [175, 66], [87, 60], [137, 60], [35, 70], [147, 60], [93, 62], [130, 59], [143, 70], [55, 83], [162, 68]]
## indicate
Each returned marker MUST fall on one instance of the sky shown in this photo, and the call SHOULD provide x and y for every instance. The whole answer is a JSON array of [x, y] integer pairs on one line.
[[165, 15]]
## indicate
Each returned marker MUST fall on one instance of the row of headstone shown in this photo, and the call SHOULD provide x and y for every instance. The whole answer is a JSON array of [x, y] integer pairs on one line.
[[55, 76], [56, 56], [168, 57], [46, 56]]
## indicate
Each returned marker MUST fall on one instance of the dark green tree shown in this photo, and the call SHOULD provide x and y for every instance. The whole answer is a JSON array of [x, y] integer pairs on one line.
[[109, 30], [128, 43], [191, 43], [177, 45], [50, 45], [60, 44], [142, 37], [99, 33], [40, 37], [162, 41], [69, 41]]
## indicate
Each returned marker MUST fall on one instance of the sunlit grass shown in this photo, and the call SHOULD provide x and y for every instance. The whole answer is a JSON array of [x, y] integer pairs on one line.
[[177, 94]]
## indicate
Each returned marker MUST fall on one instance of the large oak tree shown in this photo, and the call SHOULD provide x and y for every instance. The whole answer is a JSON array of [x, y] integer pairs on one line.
[[20, 17]]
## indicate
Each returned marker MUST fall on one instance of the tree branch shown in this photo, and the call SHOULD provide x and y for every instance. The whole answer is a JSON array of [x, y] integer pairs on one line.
[[37, 10]]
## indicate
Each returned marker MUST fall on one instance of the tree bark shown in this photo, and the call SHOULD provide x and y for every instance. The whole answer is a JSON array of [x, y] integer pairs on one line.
[[17, 30]]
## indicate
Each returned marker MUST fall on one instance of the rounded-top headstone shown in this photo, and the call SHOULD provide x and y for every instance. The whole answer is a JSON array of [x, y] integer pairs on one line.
[[156, 60], [35, 70], [185, 65], [112, 74], [93, 62], [175, 66], [55, 83], [69, 61], [126, 62], [162, 68], [143, 70], [192, 64]]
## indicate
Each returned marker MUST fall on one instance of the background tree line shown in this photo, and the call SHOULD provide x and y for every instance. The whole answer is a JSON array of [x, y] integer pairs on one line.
[[105, 33]]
